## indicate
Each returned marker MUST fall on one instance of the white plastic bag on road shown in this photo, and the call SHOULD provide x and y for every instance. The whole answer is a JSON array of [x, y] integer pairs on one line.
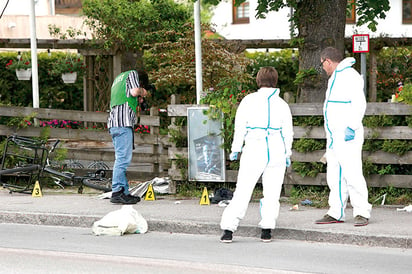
[[121, 221]]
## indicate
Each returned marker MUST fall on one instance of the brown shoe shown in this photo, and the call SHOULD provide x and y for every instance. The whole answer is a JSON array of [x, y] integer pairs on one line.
[[361, 221], [327, 220]]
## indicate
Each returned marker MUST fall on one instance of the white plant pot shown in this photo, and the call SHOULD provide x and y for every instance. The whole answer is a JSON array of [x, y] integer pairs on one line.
[[69, 78], [23, 74]]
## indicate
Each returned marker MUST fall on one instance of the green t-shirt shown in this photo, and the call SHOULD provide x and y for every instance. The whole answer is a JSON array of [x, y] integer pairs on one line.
[[118, 92]]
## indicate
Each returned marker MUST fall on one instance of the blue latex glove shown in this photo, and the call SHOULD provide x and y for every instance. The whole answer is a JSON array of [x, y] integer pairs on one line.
[[233, 156], [288, 162], [349, 134]]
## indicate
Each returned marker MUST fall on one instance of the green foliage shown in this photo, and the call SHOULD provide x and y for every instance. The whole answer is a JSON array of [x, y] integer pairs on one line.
[[317, 194], [372, 145], [307, 145], [386, 169], [171, 65], [399, 147], [132, 24], [369, 11], [369, 168], [68, 64], [406, 94], [53, 93], [224, 100], [70, 32], [20, 63], [306, 75], [177, 137], [286, 63], [408, 120], [394, 67], [393, 195], [308, 169], [308, 121], [382, 169], [382, 121], [19, 122]]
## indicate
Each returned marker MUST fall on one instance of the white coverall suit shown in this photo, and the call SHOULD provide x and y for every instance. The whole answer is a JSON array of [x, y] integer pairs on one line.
[[264, 123], [344, 107]]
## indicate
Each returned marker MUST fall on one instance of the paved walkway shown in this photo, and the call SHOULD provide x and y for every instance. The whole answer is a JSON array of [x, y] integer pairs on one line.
[[388, 227]]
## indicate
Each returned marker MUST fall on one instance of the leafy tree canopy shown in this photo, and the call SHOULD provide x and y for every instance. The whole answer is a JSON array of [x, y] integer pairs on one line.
[[134, 23]]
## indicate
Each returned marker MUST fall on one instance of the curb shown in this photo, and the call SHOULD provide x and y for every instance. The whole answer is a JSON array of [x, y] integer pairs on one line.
[[207, 228]]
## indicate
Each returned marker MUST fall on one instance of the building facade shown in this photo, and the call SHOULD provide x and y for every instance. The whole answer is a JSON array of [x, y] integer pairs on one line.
[[15, 21], [242, 24]]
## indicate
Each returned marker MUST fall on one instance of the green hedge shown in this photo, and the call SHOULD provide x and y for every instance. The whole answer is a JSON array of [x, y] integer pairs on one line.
[[53, 93]]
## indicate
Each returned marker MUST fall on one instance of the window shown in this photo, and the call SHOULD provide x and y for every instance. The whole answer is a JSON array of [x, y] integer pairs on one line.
[[407, 11], [241, 13], [351, 12], [68, 6]]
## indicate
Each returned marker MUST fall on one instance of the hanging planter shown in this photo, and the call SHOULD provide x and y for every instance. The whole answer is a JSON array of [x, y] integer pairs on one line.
[[21, 66], [68, 68], [23, 74], [69, 78]]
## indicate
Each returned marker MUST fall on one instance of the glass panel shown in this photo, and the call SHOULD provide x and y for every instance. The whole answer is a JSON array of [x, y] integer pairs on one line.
[[206, 155], [406, 11]]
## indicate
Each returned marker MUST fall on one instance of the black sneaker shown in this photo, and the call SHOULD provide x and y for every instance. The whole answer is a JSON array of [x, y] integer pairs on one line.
[[120, 198], [327, 219], [227, 236], [266, 235]]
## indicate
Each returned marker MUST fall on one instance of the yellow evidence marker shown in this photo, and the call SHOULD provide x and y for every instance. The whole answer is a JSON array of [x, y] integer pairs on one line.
[[150, 196], [36, 190], [204, 200]]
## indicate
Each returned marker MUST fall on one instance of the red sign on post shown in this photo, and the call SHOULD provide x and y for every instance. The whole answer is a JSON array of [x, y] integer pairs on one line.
[[360, 43]]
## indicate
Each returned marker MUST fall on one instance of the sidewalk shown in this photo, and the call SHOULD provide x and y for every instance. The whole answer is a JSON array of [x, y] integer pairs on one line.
[[387, 227]]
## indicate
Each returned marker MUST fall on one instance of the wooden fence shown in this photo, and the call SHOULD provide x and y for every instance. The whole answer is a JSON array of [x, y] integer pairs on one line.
[[156, 156], [90, 145], [310, 109]]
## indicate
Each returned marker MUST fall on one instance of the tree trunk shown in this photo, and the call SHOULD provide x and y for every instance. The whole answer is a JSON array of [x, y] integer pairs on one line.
[[321, 24]]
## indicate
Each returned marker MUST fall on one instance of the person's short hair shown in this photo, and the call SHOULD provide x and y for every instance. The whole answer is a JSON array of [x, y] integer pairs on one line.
[[331, 53], [267, 77], [143, 79]]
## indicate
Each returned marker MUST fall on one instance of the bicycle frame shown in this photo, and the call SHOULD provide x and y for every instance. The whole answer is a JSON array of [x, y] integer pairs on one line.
[[30, 156], [39, 164]]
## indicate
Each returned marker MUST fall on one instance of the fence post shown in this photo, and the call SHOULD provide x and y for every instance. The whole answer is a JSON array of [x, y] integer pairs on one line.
[[154, 130], [175, 99]]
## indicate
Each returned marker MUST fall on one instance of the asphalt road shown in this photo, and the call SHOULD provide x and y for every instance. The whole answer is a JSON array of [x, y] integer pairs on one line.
[[55, 249]]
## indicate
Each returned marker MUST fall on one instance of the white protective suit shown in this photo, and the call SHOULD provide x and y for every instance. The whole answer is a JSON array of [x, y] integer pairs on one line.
[[264, 123], [344, 107]]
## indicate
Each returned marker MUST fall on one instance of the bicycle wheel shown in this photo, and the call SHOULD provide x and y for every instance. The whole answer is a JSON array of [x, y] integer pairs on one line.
[[98, 165], [104, 184]]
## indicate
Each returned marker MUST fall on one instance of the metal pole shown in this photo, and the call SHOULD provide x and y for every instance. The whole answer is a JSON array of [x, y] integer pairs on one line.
[[33, 46], [363, 72], [198, 51]]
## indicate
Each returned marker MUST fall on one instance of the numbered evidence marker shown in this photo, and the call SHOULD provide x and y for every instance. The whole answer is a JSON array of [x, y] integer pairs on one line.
[[36, 190], [204, 200], [150, 196]]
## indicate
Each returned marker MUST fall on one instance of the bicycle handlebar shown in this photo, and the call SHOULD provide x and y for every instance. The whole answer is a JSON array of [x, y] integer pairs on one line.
[[54, 145], [24, 141]]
